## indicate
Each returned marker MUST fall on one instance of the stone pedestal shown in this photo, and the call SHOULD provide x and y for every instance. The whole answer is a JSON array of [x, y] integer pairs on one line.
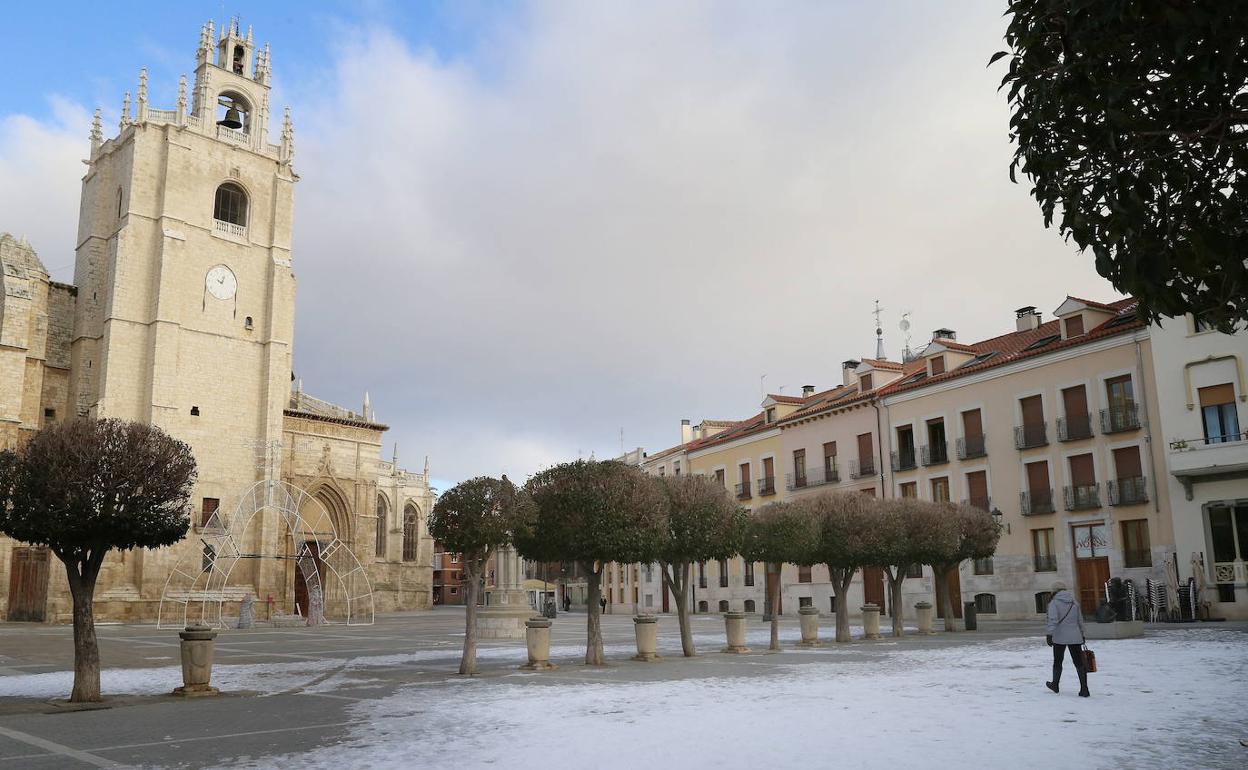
[[247, 612], [734, 625], [197, 648], [537, 638], [809, 619], [509, 608], [1119, 629], [870, 621], [647, 629], [927, 615]]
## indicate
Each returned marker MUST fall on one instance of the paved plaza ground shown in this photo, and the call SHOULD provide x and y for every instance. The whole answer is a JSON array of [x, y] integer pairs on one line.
[[387, 696]]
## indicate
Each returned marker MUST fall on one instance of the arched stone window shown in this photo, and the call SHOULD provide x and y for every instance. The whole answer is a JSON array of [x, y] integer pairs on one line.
[[409, 533], [381, 526], [723, 605], [230, 205], [1042, 602], [702, 606], [749, 605], [986, 604]]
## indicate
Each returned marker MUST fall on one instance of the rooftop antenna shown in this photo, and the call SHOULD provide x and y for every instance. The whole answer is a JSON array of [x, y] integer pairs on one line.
[[621, 441], [762, 388], [879, 333], [907, 355]]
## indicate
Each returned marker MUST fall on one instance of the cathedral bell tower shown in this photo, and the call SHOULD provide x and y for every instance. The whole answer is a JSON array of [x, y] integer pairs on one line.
[[185, 307]]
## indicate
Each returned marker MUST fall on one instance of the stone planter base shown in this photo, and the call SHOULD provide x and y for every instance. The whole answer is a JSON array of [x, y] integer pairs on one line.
[[808, 617], [646, 628], [195, 691], [926, 614], [871, 622], [537, 638], [734, 625], [502, 622]]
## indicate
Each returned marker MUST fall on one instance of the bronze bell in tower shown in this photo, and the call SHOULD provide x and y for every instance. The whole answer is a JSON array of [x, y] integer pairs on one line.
[[231, 119]]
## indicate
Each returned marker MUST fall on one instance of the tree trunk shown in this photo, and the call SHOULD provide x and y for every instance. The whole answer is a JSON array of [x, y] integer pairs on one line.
[[676, 581], [593, 642], [86, 649], [840, 586], [942, 590], [468, 661], [896, 578], [775, 611]]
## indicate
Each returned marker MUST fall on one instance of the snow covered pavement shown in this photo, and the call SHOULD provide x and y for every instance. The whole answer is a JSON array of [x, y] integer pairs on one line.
[[1171, 699]]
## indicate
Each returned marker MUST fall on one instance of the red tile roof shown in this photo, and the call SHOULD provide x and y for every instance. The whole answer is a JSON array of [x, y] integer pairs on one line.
[[785, 399], [882, 364], [1099, 305]]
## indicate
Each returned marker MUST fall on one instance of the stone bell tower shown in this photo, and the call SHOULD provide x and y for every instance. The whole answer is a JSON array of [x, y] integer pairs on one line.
[[185, 312]]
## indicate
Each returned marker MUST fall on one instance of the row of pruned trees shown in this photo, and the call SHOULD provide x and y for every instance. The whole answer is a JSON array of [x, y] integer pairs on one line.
[[594, 513]]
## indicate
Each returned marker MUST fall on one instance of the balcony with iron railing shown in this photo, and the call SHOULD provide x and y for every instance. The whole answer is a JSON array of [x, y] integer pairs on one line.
[[970, 447], [1074, 427], [766, 486], [1035, 502], [811, 477], [862, 468], [935, 454], [743, 491], [904, 459], [1209, 456], [1081, 497], [1046, 562], [982, 503], [1030, 436], [1132, 490], [1121, 418]]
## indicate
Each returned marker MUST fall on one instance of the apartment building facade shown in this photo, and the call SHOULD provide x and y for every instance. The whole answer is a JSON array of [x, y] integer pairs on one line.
[[1200, 383]]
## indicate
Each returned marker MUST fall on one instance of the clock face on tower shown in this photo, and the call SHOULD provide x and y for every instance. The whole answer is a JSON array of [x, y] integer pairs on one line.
[[221, 282]]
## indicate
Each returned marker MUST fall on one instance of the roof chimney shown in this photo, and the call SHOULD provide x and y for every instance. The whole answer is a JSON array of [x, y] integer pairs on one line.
[[945, 334], [847, 371], [686, 432], [1027, 318], [808, 391]]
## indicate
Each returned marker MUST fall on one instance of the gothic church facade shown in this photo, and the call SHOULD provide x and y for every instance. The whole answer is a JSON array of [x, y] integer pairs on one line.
[[181, 314]]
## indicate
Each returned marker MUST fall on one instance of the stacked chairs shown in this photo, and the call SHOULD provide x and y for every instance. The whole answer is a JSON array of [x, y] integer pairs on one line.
[[1158, 605]]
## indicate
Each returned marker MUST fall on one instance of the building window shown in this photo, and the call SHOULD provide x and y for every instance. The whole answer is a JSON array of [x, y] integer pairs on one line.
[[749, 573], [865, 382], [986, 604], [649, 600], [380, 546], [409, 535], [194, 411], [454, 590], [723, 605], [805, 601], [719, 476], [676, 468], [1043, 557], [119, 203], [910, 489], [207, 508], [701, 574], [803, 574], [938, 365], [983, 566], [914, 571], [832, 604], [1135, 546], [723, 573], [1074, 326], [1042, 602], [799, 467], [649, 573], [1218, 414], [1201, 323], [749, 605], [230, 205], [208, 559], [49, 416], [940, 490], [771, 414], [703, 606]]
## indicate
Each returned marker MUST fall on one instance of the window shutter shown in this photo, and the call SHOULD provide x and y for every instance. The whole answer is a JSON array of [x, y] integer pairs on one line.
[[1216, 395]]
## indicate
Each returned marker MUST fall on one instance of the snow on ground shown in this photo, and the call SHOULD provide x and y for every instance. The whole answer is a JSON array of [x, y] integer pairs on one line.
[[322, 675], [1164, 701]]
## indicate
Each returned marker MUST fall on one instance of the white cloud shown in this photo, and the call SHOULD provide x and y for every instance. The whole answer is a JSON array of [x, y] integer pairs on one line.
[[619, 215], [41, 177]]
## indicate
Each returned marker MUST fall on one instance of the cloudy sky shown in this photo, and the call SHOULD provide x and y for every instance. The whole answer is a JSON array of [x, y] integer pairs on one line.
[[524, 227]]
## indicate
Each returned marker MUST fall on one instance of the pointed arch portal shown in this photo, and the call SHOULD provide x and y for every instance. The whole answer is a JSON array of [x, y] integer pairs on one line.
[[328, 578]]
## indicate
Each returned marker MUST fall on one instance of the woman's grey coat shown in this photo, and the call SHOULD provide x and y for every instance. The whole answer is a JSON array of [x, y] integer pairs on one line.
[[1069, 630]]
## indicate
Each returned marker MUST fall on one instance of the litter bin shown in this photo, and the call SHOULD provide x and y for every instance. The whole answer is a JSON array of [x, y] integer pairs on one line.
[[549, 609], [968, 615]]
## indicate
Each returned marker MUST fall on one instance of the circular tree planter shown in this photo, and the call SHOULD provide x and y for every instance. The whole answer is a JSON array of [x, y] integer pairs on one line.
[[808, 617], [734, 626], [646, 627], [537, 638]]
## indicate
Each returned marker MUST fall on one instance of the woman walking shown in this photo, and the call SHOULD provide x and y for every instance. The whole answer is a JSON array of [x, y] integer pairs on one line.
[[1064, 632]]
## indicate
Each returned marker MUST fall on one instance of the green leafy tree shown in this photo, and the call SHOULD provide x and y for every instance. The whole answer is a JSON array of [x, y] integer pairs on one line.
[[84, 488], [970, 533], [850, 539], [703, 523], [474, 519], [593, 513], [910, 531], [781, 533], [1131, 120]]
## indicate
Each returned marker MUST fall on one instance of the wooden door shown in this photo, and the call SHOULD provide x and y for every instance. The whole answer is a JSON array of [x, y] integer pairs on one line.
[[977, 489], [972, 423], [1075, 402], [873, 587], [955, 590], [28, 585], [1033, 411], [1091, 543], [866, 451]]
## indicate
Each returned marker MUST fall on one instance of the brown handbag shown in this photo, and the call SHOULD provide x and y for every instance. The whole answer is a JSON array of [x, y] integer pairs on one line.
[[1089, 660]]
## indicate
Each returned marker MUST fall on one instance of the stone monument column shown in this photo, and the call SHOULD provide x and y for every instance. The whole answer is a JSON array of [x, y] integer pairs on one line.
[[509, 608]]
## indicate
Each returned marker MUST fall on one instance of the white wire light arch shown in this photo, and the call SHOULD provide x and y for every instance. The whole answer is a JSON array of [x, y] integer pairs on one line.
[[202, 584]]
